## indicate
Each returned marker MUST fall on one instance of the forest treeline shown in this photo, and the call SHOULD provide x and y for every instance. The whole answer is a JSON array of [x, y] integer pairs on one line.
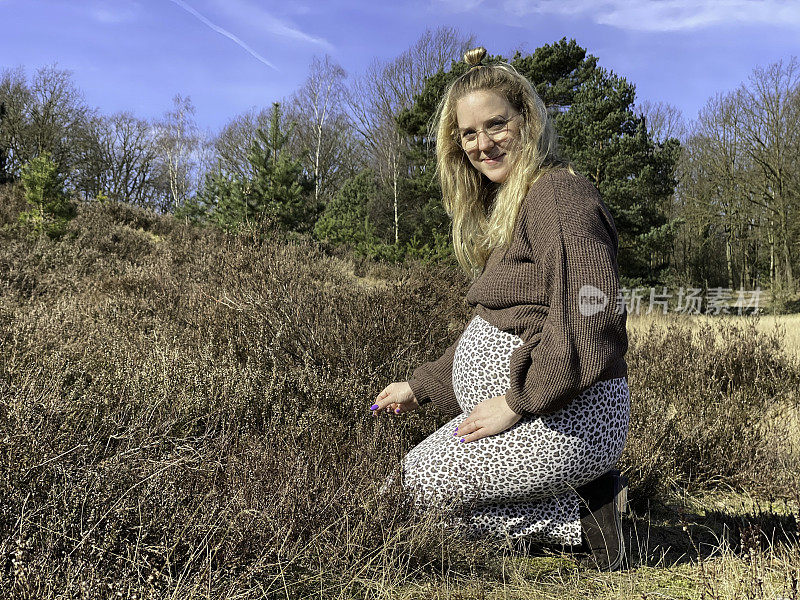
[[711, 202]]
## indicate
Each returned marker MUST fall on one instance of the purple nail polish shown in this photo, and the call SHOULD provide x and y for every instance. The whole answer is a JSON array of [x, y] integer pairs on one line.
[[397, 411], [373, 407], [461, 440]]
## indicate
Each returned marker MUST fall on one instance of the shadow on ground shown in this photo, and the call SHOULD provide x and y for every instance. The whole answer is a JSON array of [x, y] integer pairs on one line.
[[670, 535]]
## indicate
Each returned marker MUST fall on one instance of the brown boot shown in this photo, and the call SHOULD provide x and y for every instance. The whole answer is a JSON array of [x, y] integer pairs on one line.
[[602, 503]]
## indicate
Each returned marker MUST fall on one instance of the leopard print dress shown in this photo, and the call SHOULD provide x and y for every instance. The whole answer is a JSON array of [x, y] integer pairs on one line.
[[519, 483]]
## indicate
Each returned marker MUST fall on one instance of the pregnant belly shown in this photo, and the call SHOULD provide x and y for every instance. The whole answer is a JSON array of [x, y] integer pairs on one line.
[[481, 363]]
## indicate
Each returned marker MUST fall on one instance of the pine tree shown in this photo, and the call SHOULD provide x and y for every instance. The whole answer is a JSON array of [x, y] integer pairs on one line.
[[345, 219], [50, 208], [557, 72], [279, 189], [219, 201], [277, 192], [608, 143]]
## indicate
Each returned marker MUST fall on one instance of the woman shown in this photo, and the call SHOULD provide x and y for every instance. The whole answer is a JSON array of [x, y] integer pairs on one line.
[[538, 379]]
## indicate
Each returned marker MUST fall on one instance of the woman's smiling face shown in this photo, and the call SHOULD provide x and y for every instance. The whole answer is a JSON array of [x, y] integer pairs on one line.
[[477, 112]]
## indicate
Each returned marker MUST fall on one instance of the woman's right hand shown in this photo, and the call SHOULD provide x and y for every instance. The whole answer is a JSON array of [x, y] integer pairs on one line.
[[397, 398]]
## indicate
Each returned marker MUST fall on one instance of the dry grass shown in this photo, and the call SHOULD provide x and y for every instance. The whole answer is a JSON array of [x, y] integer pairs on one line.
[[787, 326], [183, 415]]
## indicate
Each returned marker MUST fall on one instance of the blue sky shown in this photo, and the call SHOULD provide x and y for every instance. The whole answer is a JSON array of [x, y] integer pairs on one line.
[[231, 55]]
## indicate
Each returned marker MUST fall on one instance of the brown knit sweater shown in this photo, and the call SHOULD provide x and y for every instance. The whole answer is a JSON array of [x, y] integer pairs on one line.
[[564, 240]]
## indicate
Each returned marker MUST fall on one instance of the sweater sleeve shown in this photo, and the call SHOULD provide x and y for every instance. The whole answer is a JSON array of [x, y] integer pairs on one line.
[[433, 382], [580, 339]]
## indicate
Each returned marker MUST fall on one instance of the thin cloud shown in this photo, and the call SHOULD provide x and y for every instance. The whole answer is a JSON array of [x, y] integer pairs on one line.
[[224, 32], [112, 16], [252, 15], [661, 15], [461, 6]]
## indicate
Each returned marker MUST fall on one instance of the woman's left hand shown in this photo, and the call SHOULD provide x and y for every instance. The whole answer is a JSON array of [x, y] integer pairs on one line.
[[489, 417]]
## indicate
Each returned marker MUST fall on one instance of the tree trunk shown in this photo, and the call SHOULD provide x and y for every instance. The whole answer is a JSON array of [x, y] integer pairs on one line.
[[786, 255], [743, 272], [773, 279], [316, 163], [396, 211], [729, 258]]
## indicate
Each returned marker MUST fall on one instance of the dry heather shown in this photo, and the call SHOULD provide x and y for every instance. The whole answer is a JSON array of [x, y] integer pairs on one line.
[[183, 414], [784, 327]]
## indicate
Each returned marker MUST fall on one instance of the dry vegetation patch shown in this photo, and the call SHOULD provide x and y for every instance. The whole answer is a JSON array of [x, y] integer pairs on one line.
[[183, 414]]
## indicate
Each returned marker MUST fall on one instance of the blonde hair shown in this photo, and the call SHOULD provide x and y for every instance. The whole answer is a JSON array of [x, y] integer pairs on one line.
[[483, 212]]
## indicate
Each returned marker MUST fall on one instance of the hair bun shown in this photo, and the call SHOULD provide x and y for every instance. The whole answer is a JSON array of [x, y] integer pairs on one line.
[[475, 56]]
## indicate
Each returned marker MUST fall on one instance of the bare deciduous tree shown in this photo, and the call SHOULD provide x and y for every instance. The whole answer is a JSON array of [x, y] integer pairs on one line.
[[721, 167], [46, 115], [664, 121], [322, 138], [771, 113], [386, 88], [741, 177], [122, 165], [16, 98], [176, 139]]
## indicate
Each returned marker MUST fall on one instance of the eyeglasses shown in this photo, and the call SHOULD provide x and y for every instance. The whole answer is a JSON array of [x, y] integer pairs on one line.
[[497, 131]]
